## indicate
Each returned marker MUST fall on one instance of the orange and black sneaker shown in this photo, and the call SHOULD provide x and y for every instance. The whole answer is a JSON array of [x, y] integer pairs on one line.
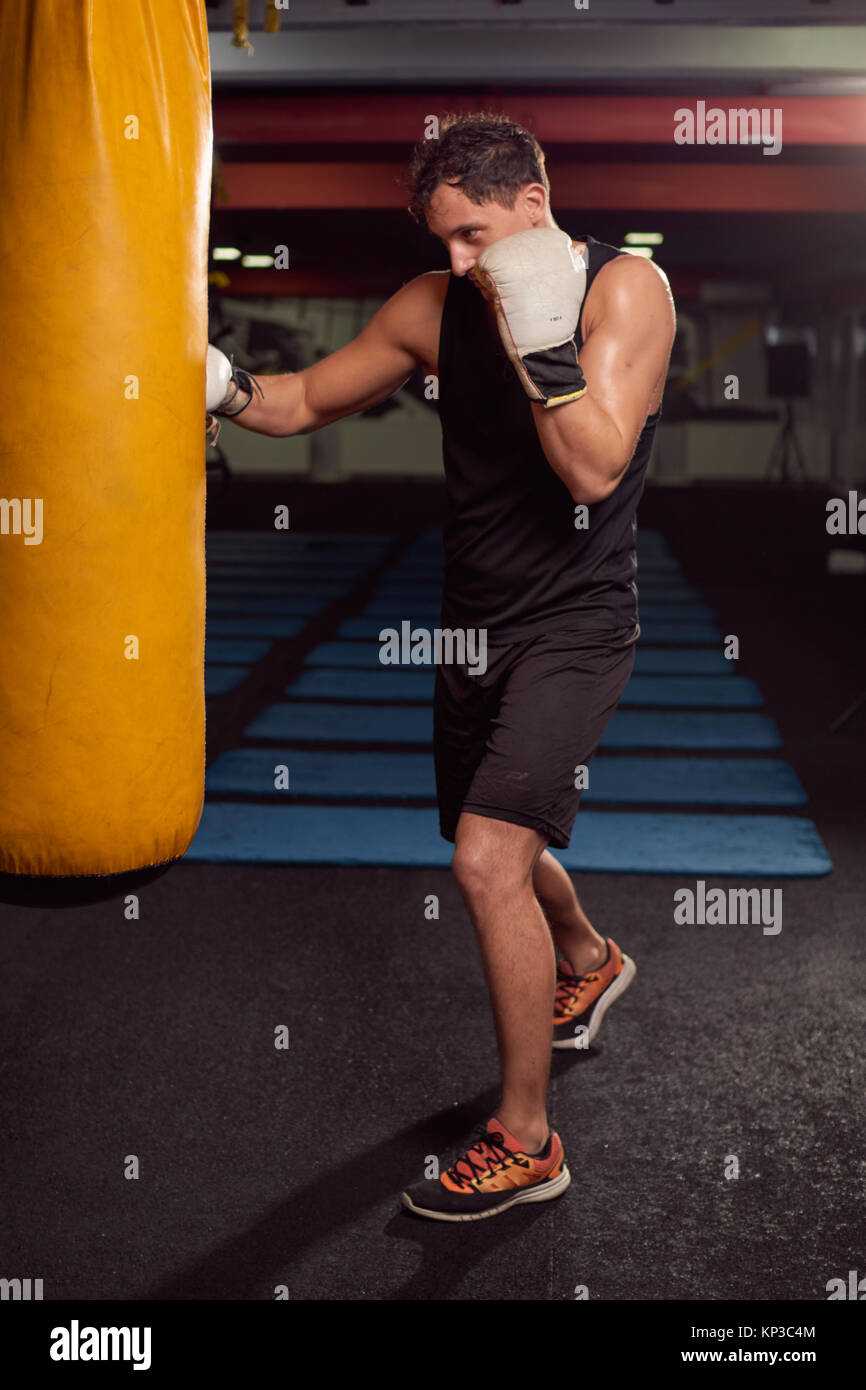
[[493, 1175], [583, 1000]]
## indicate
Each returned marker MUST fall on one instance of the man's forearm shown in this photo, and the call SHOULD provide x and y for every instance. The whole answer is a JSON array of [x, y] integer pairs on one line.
[[583, 447], [278, 411]]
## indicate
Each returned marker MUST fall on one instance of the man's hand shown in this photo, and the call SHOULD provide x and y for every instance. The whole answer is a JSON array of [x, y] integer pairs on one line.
[[219, 375], [537, 281], [229, 389]]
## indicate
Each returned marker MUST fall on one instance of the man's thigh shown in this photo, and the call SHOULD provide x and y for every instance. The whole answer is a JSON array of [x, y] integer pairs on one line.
[[465, 708], [553, 709]]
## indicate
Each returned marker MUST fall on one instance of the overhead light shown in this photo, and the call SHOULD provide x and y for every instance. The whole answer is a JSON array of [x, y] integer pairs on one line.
[[818, 86], [644, 238], [846, 562], [645, 251], [225, 253], [253, 262]]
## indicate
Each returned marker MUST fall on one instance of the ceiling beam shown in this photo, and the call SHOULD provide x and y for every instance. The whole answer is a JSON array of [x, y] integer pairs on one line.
[[595, 120], [764, 185]]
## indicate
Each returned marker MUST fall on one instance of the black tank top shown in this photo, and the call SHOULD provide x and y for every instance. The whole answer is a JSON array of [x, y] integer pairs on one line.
[[514, 562]]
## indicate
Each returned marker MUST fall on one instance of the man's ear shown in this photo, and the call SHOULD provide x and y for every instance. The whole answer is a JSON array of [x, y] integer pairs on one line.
[[535, 200]]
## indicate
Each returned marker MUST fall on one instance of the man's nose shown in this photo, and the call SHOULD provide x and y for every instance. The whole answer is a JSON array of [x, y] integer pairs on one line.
[[461, 262]]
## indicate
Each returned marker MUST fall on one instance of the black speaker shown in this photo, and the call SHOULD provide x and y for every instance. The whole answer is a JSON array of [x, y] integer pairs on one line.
[[789, 370]]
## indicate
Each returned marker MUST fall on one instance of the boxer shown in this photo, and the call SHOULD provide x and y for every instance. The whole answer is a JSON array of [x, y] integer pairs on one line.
[[551, 354]]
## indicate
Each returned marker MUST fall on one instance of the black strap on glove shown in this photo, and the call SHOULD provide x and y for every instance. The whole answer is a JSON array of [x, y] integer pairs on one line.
[[243, 382]]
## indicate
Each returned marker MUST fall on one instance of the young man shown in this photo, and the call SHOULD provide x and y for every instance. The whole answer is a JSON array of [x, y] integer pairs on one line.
[[545, 457]]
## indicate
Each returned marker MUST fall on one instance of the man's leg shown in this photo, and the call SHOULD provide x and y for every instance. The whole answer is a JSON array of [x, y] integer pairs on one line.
[[493, 863], [572, 931]]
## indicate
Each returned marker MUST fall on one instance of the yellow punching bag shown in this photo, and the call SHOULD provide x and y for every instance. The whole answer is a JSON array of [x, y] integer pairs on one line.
[[105, 167]]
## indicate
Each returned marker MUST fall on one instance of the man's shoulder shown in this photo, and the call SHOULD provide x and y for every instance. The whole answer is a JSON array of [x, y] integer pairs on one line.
[[633, 274], [626, 282], [430, 287], [413, 315], [421, 298]]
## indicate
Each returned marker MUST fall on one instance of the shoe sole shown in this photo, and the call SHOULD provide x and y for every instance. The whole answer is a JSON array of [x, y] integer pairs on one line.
[[541, 1192], [613, 991]]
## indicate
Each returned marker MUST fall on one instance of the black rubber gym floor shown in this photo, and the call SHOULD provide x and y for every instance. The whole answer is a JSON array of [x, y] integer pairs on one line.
[[262, 1167]]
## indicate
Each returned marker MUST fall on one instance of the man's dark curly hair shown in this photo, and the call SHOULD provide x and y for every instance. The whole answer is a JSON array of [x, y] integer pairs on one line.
[[487, 156]]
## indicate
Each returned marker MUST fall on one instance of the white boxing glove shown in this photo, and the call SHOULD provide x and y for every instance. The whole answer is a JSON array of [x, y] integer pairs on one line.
[[222, 375], [219, 375], [537, 281]]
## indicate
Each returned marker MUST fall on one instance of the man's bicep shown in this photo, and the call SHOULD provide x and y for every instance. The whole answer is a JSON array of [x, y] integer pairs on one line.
[[625, 357], [367, 370]]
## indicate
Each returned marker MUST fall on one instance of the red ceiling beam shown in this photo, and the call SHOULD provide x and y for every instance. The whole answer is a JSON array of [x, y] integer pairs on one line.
[[762, 186], [597, 120]]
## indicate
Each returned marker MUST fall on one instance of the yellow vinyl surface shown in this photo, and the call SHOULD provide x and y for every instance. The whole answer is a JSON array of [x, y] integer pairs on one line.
[[105, 169]]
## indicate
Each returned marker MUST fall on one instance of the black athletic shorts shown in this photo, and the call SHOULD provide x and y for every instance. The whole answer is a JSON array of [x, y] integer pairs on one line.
[[506, 743]]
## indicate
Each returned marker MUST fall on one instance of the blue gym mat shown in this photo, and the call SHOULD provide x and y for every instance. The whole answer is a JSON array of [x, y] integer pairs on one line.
[[649, 661], [292, 605], [275, 568], [322, 564], [299, 542], [269, 588], [400, 683], [324, 723], [274, 584], [374, 776], [220, 679], [602, 842], [225, 649], [254, 625]]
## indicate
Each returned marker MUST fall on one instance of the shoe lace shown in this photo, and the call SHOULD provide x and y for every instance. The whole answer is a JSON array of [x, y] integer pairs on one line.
[[570, 986], [489, 1146]]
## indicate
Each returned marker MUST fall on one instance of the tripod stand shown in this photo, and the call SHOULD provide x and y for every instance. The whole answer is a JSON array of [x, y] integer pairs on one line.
[[786, 449]]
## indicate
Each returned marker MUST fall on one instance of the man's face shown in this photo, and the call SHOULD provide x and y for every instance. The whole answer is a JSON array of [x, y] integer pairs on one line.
[[466, 227]]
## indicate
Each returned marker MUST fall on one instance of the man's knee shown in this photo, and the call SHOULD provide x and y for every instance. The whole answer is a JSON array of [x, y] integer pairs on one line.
[[473, 867], [496, 858]]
